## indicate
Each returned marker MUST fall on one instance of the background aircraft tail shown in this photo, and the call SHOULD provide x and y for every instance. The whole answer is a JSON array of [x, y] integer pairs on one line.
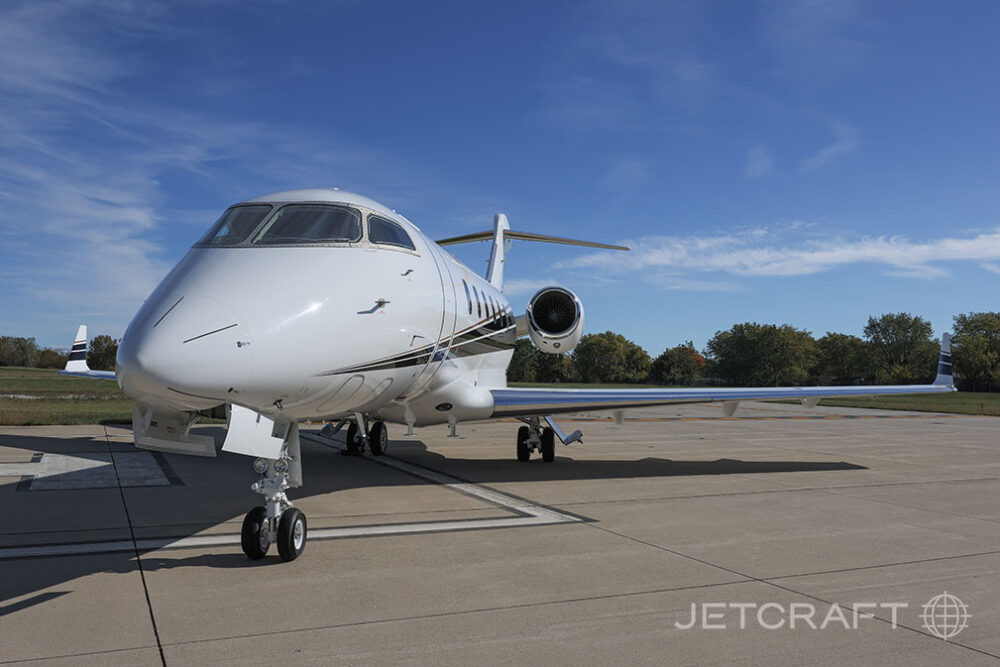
[[77, 364], [78, 354], [944, 374]]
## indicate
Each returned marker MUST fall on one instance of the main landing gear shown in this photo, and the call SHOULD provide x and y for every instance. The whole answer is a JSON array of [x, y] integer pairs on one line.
[[374, 437], [276, 522], [532, 437]]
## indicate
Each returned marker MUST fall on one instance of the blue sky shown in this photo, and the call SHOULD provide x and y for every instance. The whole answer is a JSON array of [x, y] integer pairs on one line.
[[809, 163]]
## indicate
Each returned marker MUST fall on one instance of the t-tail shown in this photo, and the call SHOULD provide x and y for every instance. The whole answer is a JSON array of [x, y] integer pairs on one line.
[[944, 373], [502, 235]]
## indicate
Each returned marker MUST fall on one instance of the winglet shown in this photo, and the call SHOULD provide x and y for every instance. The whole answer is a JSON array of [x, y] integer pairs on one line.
[[78, 354], [944, 374]]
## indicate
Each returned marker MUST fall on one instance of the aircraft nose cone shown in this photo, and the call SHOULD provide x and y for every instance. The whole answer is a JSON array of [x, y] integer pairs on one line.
[[193, 353]]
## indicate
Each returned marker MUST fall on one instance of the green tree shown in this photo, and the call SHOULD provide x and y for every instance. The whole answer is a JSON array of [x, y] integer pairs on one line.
[[102, 352], [610, 357], [16, 351], [901, 348], [49, 358], [762, 355], [976, 350], [678, 365], [554, 368], [842, 359], [524, 364]]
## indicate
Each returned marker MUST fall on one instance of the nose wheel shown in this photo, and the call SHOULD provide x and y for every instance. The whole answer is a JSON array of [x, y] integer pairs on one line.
[[275, 522]]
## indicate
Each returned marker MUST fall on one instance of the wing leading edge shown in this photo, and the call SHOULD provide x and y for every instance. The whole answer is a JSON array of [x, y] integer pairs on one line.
[[511, 402]]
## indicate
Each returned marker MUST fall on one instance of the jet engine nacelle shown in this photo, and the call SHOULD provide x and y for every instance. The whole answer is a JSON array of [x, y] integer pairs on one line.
[[555, 320]]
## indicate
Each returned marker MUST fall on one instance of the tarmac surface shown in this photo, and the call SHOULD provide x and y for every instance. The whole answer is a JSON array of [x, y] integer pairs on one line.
[[780, 536]]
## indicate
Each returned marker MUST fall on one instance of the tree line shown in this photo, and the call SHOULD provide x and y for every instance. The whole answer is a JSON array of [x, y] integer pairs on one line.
[[897, 348], [15, 351]]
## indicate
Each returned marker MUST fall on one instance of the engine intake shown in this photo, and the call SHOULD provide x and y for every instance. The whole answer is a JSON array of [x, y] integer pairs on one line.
[[555, 320]]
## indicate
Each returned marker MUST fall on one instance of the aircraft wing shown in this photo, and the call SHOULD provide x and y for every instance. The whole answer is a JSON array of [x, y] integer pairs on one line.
[[98, 375], [524, 402]]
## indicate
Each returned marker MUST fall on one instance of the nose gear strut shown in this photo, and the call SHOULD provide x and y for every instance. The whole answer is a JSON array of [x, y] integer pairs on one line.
[[276, 521]]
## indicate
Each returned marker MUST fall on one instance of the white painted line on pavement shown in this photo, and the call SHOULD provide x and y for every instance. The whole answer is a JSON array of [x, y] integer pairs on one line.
[[531, 515]]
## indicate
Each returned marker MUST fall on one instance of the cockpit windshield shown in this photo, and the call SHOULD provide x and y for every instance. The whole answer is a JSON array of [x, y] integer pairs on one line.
[[235, 226], [310, 223]]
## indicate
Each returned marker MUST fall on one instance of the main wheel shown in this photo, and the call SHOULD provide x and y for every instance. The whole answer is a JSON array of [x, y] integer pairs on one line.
[[378, 439], [548, 445], [523, 453], [291, 534], [352, 438], [253, 536]]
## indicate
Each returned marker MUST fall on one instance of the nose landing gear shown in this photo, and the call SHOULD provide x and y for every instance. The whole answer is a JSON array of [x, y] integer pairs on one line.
[[275, 522]]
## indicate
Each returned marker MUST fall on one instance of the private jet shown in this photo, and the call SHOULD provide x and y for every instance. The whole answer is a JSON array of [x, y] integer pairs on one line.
[[326, 305]]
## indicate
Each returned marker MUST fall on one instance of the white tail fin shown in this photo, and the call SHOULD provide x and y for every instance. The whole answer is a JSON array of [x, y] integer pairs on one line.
[[944, 374], [78, 354], [498, 254]]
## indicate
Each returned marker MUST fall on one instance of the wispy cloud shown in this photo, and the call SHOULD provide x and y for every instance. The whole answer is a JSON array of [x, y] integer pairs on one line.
[[758, 162], [86, 227], [815, 41], [627, 67], [761, 252], [627, 174], [521, 286], [846, 140]]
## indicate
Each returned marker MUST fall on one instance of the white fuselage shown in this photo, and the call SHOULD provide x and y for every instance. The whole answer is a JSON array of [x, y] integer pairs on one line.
[[321, 331]]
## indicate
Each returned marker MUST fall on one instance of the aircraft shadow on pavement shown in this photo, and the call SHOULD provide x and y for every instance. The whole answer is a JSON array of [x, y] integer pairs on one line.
[[566, 468], [181, 510]]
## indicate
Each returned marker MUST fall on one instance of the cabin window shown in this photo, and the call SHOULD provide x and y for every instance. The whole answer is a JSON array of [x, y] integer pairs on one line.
[[468, 297], [386, 232], [493, 307], [479, 306], [234, 226], [303, 224]]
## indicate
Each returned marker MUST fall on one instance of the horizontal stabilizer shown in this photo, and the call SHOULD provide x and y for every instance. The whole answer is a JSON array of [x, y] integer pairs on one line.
[[527, 236]]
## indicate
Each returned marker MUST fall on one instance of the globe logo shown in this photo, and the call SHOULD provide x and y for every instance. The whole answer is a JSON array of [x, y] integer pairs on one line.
[[945, 616]]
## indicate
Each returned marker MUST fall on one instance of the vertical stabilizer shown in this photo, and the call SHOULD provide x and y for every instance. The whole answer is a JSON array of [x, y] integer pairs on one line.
[[944, 374], [498, 254], [78, 354]]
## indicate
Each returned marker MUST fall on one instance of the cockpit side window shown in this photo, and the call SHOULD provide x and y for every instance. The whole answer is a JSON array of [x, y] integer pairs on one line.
[[234, 226], [386, 232], [303, 224]]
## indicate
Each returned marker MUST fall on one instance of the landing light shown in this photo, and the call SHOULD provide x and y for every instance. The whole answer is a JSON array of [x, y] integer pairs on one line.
[[260, 466], [281, 466]]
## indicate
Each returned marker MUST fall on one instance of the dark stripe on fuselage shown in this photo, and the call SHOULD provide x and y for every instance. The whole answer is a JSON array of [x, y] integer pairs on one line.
[[77, 356], [481, 338]]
